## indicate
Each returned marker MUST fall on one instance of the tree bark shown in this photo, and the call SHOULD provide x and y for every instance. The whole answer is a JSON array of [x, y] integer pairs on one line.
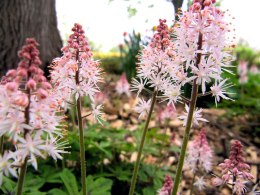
[[21, 19], [177, 4]]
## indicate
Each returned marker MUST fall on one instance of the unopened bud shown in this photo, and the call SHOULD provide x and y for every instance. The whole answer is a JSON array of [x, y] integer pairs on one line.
[[42, 94], [12, 86], [31, 84]]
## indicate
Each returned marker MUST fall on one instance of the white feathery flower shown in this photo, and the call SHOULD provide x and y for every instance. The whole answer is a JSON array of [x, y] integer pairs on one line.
[[143, 107], [200, 183], [196, 116], [97, 113]]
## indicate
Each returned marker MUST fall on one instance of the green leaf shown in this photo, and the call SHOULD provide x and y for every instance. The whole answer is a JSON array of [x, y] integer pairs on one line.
[[148, 191], [8, 185], [57, 192], [33, 183], [70, 182], [100, 186]]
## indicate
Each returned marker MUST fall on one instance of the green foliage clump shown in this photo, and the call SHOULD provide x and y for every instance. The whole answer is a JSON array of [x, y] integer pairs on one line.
[[129, 53]]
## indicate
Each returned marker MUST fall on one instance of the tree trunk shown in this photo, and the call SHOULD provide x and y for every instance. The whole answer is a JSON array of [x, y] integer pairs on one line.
[[177, 4], [21, 19]]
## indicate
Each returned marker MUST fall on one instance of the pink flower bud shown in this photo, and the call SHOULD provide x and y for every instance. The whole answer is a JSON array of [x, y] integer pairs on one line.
[[12, 86], [21, 100], [22, 72], [11, 73], [31, 84], [216, 181], [46, 85], [225, 178], [235, 171], [42, 94], [207, 3]]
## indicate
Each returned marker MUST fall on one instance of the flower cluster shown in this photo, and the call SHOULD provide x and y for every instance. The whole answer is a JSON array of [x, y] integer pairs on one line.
[[76, 74], [166, 114], [200, 154], [28, 113], [234, 169], [242, 70], [201, 45], [122, 86], [167, 186], [197, 54]]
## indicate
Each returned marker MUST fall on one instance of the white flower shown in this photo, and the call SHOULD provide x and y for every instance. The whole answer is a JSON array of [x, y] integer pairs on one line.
[[143, 107], [30, 147], [196, 116], [97, 113], [172, 94], [138, 85], [6, 166], [219, 90], [200, 183]]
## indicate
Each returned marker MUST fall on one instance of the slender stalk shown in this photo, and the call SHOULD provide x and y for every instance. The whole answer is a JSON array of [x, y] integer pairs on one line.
[[82, 148], [81, 133], [192, 184], [1, 144], [21, 177], [137, 163], [186, 137], [24, 165]]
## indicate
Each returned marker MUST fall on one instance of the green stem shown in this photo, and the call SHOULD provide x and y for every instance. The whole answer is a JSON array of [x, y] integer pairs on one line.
[[21, 178], [192, 184], [137, 163], [186, 137], [1, 144], [82, 148]]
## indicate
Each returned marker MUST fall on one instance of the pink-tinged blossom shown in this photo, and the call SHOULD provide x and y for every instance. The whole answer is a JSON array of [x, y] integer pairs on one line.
[[219, 90], [6, 166], [242, 70], [157, 68], [167, 186], [196, 116], [199, 153], [28, 110], [122, 86], [202, 31], [234, 169], [143, 107], [167, 113], [254, 69], [76, 73], [200, 183]]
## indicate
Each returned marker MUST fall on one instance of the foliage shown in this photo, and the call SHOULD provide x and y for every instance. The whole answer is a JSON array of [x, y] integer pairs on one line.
[[108, 153], [110, 61], [129, 53]]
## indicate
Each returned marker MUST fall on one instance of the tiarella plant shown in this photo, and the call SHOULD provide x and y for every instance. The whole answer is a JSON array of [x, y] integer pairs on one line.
[[167, 186], [203, 51], [197, 55], [122, 86], [199, 159], [235, 171], [29, 117], [156, 71], [75, 75]]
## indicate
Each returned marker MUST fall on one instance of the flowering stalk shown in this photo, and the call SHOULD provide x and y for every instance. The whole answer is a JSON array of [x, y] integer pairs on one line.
[[234, 170], [75, 75], [200, 44], [28, 116], [81, 138], [154, 61], [137, 163]]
